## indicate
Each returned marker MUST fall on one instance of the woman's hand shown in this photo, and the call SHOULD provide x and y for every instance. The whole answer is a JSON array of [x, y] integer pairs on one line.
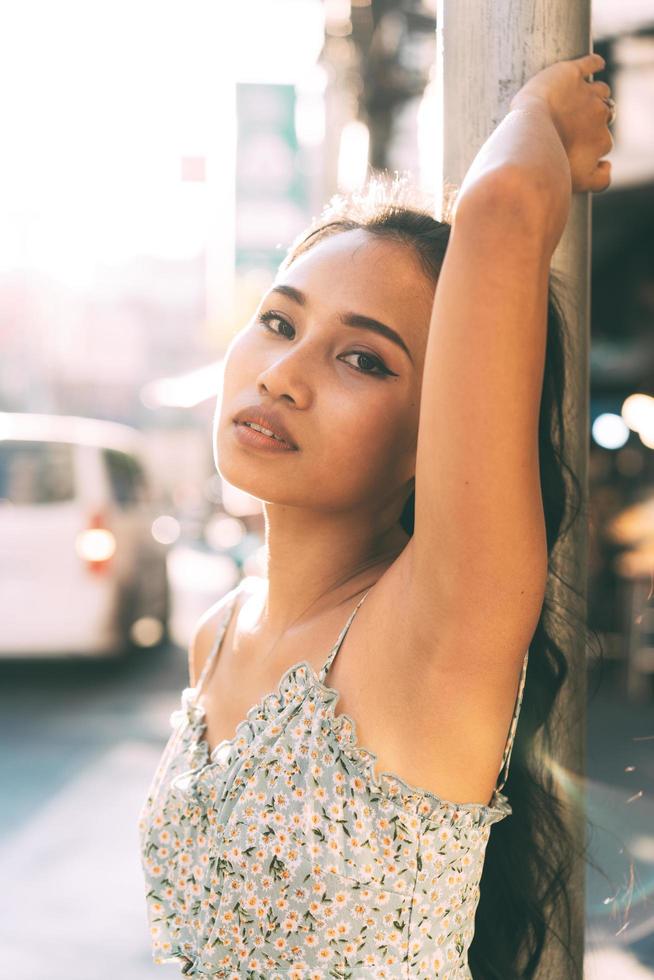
[[579, 113]]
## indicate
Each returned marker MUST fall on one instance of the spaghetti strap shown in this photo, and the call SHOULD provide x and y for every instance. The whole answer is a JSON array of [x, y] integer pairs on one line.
[[334, 650], [218, 639], [506, 758]]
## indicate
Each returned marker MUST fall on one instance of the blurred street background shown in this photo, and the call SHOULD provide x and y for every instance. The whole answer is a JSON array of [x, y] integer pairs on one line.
[[157, 161]]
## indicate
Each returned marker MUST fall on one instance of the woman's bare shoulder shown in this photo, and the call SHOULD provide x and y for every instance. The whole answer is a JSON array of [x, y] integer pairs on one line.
[[207, 626]]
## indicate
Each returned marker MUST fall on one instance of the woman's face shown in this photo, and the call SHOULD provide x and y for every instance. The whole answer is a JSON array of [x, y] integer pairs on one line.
[[348, 396]]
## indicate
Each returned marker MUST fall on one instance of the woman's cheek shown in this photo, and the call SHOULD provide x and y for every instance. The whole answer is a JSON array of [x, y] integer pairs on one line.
[[239, 364], [370, 441]]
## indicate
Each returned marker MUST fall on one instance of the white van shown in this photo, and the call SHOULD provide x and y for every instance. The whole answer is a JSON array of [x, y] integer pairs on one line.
[[80, 571]]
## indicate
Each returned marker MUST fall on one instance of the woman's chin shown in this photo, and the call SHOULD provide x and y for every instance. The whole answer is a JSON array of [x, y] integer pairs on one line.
[[248, 476]]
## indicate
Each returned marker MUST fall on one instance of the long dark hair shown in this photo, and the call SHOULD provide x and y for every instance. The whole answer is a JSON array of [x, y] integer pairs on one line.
[[530, 854]]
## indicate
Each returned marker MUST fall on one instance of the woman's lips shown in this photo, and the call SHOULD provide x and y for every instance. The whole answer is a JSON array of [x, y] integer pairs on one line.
[[257, 440]]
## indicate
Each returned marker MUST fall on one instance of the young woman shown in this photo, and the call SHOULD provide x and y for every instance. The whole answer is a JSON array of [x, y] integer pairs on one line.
[[406, 444]]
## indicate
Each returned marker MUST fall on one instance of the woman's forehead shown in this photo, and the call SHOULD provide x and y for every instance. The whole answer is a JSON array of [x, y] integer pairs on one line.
[[359, 248], [357, 267]]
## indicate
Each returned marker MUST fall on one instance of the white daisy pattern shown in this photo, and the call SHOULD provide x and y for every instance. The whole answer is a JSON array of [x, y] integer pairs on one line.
[[282, 855]]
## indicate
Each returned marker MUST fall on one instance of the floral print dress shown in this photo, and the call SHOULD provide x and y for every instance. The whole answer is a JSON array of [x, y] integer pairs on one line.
[[280, 854]]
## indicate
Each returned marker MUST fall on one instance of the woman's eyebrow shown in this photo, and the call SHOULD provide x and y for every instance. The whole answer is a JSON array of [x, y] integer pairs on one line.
[[348, 319]]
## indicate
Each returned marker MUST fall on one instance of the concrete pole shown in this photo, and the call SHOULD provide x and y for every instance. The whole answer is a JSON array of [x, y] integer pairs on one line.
[[486, 50]]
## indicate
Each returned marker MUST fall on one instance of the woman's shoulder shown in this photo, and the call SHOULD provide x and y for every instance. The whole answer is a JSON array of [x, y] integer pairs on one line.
[[210, 622]]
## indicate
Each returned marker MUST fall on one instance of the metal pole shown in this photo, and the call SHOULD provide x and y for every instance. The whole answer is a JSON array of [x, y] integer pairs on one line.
[[486, 50]]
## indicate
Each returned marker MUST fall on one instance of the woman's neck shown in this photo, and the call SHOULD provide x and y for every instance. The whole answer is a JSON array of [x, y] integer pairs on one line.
[[320, 565]]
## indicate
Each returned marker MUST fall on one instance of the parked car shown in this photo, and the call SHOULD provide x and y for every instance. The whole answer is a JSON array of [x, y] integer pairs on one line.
[[81, 572]]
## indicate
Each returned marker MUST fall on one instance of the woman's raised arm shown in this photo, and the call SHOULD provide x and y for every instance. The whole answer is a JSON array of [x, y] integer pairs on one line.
[[478, 557]]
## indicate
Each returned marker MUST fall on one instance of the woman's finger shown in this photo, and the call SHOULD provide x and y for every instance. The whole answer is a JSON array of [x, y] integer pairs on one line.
[[602, 89], [589, 63], [608, 144], [602, 177]]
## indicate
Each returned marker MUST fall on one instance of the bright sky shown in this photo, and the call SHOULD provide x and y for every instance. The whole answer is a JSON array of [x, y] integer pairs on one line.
[[101, 98]]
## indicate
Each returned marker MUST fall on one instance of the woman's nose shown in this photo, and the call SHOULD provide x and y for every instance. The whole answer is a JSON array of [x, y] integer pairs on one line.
[[287, 376]]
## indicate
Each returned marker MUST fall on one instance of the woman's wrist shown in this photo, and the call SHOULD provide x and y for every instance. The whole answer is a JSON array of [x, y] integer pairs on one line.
[[526, 100], [535, 105], [527, 148]]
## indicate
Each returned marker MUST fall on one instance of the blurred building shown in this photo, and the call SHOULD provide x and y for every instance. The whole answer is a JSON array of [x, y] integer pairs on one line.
[[265, 138]]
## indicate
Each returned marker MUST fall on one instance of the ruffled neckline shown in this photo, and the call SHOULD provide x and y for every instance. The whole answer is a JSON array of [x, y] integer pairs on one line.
[[301, 678]]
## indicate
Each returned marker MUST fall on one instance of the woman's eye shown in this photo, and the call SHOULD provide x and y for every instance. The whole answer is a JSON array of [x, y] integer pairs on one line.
[[379, 368], [265, 318]]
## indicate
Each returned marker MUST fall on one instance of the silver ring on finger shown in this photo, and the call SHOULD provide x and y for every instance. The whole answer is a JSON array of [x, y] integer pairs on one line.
[[611, 104]]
